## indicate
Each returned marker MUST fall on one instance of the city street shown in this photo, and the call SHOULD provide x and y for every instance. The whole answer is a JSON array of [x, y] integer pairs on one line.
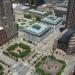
[[47, 45]]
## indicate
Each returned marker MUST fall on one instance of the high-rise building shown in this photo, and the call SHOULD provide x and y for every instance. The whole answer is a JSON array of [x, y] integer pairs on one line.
[[67, 41], [71, 14], [7, 19]]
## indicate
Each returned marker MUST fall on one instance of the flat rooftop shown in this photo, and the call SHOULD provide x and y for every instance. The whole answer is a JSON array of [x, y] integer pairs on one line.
[[38, 12], [60, 8], [54, 20], [64, 4], [37, 28], [19, 7], [1, 28]]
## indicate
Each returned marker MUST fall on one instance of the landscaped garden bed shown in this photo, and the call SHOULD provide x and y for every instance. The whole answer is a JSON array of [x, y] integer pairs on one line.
[[18, 50], [50, 66]]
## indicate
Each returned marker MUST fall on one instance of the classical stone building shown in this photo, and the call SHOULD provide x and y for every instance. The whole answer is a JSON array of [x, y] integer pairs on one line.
[[37, 32], [7, 19]]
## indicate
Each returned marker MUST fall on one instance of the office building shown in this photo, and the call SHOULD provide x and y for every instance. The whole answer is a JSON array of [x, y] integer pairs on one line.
[[71, 14], [7, 19], [67, 41]]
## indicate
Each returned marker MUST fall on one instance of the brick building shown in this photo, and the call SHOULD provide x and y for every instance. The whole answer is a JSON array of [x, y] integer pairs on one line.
[[3, 36]]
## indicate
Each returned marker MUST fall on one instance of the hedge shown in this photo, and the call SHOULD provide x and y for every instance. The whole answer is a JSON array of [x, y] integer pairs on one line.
[[14, 54], [12, 47], [24, 46], [1, 70], [42, 72]]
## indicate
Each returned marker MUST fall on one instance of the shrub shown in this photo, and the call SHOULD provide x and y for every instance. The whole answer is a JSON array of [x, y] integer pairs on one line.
[[38, 64], [38, 18], [42, 72], [6, 53], [27, 15], [1, 70], [24, 53], [14, 54], [24, 46]]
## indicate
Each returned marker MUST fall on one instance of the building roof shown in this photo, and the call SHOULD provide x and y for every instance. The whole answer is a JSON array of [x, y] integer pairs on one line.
[[64, 4], [54, 20], [19, 7], [37, 28], [1, 28], [38, 12], [60, 8]]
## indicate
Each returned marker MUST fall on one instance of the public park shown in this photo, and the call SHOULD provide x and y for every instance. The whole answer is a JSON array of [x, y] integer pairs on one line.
[[18, 50]]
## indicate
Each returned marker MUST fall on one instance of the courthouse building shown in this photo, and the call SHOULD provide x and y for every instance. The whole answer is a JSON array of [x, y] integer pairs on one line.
[[37, 32]]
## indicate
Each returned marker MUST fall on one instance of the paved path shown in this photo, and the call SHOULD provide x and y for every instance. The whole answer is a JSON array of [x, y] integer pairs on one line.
[[7, 60]]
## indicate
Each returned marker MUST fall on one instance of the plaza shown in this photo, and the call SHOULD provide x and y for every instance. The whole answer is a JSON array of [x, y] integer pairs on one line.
[[21, 69], [50, 66]]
